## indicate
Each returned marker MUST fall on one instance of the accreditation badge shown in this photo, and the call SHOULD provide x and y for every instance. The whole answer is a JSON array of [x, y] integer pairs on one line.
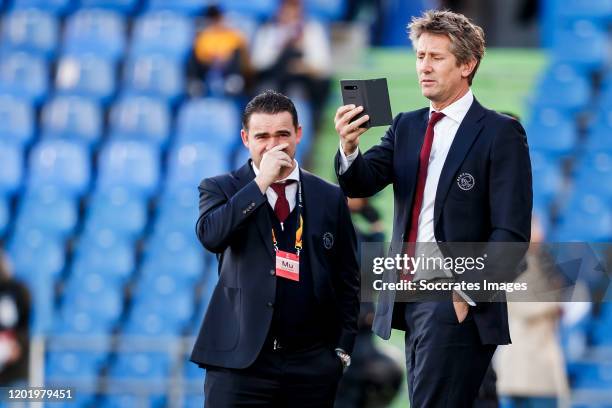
[[288, 265]]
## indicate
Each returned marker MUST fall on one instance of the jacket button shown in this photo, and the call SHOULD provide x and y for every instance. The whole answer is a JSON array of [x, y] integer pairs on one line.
[[272, 272], [270, 304]]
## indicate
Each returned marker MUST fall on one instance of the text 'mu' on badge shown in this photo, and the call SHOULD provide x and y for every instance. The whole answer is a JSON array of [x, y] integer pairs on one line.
[[288, 265]]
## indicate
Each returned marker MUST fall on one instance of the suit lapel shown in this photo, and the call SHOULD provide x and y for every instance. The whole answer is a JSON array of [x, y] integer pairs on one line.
[[245, 175], [466, 135]]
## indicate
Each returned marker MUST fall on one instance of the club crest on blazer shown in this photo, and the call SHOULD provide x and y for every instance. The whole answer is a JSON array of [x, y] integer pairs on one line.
[[328, 240], [466, 181]]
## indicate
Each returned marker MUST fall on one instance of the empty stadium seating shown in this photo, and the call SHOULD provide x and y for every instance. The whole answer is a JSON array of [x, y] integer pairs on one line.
[[102, 150]]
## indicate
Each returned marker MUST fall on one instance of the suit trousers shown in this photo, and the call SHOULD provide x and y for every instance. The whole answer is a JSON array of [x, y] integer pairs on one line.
[[304, 378], [445, 360]]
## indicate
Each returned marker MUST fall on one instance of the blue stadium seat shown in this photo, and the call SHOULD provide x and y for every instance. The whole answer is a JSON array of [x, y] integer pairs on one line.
[[155, 76], [209, 120], [162, 305], [165, 33], [17, 120], [564, 89], [123, 400], [73, 118], [57, 7], [130, 165], [304, 111], [94, 294], [240, 158], [152, 366], [80, 367], [141, 118], [188, 270], [158, 285], [185, 7], [42, 292], [547, 177], [175, 240], [592, 375], [86, 75], [49, 211], [552, 132], [125, 7], [591, 171], [190, 163], [24, 76], [62, 164], [584, 46], [187, 262], [175, 250], [327, 10], [177, 211], [149, 321], [587, 218], [119, 211], [195, 401], [263, 9], [33, 31], [114, 259], [11, 168], [35, 255], [97, 31], [593, 10], [5, 215], [86, 323], [600, 136]]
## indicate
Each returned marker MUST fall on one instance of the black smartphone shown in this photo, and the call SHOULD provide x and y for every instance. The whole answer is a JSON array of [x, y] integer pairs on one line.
[[373, 95]]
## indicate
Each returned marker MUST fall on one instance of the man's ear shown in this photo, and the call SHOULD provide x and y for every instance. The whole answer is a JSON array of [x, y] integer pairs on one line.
[[298, 134], [244, 135], [468, 68]]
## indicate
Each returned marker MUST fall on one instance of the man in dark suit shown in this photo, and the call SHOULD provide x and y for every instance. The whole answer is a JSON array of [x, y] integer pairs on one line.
[[460, 173], [282, 320]]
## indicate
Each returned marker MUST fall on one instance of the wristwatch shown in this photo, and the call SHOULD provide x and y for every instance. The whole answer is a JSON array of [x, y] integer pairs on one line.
[[344, 357]]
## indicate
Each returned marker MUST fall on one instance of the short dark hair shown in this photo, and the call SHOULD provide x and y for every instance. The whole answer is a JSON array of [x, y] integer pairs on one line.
[[270, 102]]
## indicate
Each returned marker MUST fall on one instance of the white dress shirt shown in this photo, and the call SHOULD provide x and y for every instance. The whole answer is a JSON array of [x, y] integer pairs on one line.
[[290, 190], [444, 134]]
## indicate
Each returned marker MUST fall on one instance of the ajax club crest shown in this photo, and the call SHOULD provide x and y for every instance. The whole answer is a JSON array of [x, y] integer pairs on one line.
[[466, 181], [328, 240]]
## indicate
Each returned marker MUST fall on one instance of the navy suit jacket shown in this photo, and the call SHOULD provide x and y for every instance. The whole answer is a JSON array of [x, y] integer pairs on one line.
[[489, 146], [235, 224]]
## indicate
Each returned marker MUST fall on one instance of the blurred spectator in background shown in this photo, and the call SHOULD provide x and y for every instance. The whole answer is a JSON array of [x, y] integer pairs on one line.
[[220, 61], [531, 370], [369, 226], [374, 376], [293, 56], [14, 327]]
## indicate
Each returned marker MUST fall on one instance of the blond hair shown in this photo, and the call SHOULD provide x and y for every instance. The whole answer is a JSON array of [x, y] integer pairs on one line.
[[466, 38]]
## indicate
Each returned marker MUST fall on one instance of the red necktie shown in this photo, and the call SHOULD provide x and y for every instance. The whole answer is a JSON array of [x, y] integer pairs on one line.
[[281, 207], [420, 187]]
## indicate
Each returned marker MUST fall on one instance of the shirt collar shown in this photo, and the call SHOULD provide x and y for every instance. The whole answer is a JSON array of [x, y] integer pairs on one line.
[[294, 175], [458, 109]]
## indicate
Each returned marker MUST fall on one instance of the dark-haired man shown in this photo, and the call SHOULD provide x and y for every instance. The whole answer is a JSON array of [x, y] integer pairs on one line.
[[282, 320]]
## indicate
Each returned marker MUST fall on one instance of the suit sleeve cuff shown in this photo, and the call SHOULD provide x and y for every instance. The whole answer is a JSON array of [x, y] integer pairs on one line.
[[346, 161]]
